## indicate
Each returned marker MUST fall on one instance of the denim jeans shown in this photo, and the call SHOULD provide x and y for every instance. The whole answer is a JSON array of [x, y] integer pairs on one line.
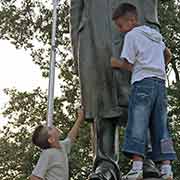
[[148, 110]]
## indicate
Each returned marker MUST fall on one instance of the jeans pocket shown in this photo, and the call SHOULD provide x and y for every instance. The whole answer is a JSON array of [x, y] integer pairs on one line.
[[143, 96]]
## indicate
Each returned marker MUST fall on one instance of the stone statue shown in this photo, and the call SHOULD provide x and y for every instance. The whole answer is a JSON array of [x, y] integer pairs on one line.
[[104, 90]]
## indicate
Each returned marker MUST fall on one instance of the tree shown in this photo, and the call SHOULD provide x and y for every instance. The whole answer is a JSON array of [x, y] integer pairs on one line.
[[174, 114], [170, 28]]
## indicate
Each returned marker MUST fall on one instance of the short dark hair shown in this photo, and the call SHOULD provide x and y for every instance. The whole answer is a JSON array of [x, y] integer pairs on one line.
[[123, 10], [40, 137]]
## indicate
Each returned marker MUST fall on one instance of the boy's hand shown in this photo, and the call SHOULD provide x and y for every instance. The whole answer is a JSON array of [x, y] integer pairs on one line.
[[114, 62], [167, 56], [81, 116], [121, 64], [75, 129]]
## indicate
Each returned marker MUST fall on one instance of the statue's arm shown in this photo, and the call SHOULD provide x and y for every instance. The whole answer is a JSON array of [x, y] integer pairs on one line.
[[76, 8]]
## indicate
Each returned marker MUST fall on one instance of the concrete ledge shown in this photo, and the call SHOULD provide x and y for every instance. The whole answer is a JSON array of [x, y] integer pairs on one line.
[[153, 179]]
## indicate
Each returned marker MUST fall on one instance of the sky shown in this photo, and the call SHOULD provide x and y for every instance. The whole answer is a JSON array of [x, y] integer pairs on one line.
[[17, 70]]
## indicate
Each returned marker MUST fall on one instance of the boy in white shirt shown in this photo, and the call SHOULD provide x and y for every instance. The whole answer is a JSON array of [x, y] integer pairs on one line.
[[145, 54], [53, 161]]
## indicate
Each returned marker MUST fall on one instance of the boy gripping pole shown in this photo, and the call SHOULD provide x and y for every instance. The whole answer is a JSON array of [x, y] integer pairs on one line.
[[53, 161]]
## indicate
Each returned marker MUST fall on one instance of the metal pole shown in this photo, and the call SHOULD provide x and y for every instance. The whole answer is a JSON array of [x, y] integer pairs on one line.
[[117, 144], [52, 67]]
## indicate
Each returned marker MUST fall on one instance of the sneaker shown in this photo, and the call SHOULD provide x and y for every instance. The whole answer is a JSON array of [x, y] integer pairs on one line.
[[167, 176], [134, 175]]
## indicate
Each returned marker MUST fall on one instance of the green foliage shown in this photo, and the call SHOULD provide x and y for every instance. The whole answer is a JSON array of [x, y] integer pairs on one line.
[[174, 114], [25, 111], [170, 28]]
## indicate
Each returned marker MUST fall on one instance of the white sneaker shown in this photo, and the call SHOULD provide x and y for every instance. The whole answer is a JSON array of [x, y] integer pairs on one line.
[[168, 176], [134, 175]]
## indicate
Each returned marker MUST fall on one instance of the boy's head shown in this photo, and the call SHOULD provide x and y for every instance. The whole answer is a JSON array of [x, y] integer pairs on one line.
[[125, 17], [45, 137]]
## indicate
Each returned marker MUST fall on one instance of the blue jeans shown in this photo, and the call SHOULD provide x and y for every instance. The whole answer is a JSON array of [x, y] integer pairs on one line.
[[148, 110]]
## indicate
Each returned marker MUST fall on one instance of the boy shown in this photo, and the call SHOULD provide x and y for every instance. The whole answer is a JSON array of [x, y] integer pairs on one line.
[[145, 54], [53, 161]]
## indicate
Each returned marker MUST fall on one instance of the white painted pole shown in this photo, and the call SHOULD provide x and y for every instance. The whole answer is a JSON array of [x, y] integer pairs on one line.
[[117, 144], [52, 67]]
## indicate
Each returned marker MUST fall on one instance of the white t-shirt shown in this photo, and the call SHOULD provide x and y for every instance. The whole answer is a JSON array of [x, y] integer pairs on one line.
[[53, 163], [143, 47]]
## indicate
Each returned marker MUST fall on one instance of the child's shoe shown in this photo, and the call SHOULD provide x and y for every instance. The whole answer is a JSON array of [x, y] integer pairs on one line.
[[168, 176], [166, 172], [134, 175]]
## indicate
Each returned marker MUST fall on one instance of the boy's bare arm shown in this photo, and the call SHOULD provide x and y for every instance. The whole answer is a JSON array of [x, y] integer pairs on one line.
[[35, 178], [75, 129], [167, 55], [121, 64]]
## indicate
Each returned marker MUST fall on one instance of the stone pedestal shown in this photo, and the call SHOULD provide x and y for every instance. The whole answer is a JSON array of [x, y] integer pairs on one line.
[[153, 179]]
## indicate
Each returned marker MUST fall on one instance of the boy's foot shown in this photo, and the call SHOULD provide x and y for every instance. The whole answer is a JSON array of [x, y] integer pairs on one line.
[[134, 175], [168, 176]]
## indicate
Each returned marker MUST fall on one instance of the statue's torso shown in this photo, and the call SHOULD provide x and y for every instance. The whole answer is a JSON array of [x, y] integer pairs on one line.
[[97, 15], [101, 9]]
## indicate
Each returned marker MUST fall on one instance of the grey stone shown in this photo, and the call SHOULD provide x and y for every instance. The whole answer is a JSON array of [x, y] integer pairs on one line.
[[104, 90], [153, 179], [95, 39]]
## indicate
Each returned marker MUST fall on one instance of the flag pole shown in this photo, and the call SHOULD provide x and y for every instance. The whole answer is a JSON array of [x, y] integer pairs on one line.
[[52, 67]]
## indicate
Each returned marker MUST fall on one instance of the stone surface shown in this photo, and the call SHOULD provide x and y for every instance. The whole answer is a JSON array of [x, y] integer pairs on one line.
[[153, 179], [104, 91]]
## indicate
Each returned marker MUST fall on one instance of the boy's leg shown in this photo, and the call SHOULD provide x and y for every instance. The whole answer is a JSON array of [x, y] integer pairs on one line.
[[138, 122], [162, 145], [166, 170], [136, 173], [139, 110]]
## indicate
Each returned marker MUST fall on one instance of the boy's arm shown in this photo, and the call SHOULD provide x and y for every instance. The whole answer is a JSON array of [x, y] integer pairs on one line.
[[41, 167], [75, 129], [121, 64], [35, 178], [167, 56]]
